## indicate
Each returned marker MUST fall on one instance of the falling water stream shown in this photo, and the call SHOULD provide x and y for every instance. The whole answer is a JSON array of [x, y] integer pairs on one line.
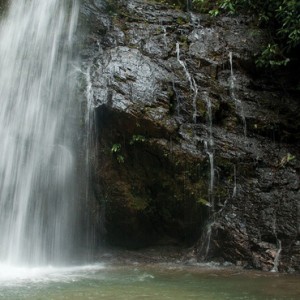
[[209, 146], [238, 103], [191, 80], [279, 247], [234, 192], [37, 133]]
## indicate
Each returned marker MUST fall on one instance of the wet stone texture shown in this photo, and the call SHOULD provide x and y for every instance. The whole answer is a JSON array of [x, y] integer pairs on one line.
[[151, 172]]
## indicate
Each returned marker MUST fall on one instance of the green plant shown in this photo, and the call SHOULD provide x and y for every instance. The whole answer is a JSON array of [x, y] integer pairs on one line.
[[137, 139], [120, 159], [271, 56], [286, 159], [280, 17], [115, 149], [204, 202]]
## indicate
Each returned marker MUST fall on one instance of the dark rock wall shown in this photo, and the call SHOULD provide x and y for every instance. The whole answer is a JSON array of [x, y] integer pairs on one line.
[[151, 169]]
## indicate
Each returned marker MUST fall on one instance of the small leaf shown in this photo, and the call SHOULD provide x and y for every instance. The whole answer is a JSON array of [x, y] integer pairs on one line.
[[204, 202], [290, 157], [115, 148]]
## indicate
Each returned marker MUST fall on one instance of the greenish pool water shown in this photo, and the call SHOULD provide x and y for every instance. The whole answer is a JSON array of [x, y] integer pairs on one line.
[[136, 281]]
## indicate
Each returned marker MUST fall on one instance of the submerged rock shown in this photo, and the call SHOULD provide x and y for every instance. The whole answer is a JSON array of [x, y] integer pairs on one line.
[[152, 161]]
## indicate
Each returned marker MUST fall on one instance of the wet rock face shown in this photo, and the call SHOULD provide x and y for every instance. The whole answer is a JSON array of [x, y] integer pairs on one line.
[[157, 78]]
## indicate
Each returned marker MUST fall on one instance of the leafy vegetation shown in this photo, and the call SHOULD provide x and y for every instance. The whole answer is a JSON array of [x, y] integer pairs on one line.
[[204, 202], [137, 139], [281, 17], [115, 149], [286, 159]]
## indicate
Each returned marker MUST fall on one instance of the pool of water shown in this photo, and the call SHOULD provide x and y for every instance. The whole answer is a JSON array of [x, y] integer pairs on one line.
[[139, 281]]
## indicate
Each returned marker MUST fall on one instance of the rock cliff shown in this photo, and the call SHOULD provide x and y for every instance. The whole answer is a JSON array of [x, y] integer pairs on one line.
[[194, 146]]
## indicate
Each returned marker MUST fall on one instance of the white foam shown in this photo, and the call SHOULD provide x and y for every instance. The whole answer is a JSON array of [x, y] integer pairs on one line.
[[18, 275]]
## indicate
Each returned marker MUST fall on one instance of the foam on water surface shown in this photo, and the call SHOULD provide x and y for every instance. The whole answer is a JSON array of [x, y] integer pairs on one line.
[[18, 275]]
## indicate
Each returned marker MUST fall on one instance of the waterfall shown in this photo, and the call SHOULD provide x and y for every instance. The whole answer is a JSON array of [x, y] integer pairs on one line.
[[209, 149], [90, 148], [234, 192], [238, 103], [191, 80], [279, 247], [37, 133], [277, 257], [209, 146], [165, 36]]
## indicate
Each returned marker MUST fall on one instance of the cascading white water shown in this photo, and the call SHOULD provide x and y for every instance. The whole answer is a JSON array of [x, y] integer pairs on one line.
[[209, 149], [209, 145], [165, 36], [37, 196], [277, 257], [238, 103], [192, 82], [279, 247], [234, 192]]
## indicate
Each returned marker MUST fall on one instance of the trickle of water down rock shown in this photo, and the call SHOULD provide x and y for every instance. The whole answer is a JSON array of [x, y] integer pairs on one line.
[[37, 194]]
